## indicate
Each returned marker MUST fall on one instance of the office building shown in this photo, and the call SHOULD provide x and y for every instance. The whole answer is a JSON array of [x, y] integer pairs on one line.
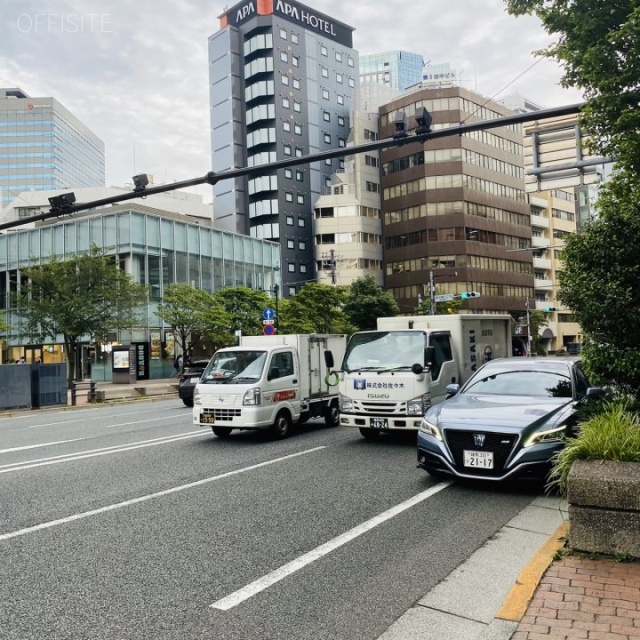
[[282, 81], [43, 146], [398, 70], [455, 209]]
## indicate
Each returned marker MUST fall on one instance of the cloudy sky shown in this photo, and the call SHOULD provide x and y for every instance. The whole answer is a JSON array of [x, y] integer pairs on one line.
[[136, 73]]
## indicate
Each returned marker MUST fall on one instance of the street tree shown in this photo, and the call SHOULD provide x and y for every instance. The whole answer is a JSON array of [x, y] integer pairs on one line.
[[316, 308], [196, 318], [244, 308], [85, 296], [367, 301]]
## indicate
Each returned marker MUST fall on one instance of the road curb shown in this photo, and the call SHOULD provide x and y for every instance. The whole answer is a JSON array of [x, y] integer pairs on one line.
[[516, 603]]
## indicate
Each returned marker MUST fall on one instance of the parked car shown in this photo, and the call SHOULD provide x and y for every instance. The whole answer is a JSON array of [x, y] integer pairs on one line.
[[507, 421], [188, 379]]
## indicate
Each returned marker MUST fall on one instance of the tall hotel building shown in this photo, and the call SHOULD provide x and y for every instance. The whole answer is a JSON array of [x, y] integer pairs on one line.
[[282, 81], [455, 208], [43, 146]]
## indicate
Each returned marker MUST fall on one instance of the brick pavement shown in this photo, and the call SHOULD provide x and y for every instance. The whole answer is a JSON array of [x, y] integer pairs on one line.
[[580, 597]]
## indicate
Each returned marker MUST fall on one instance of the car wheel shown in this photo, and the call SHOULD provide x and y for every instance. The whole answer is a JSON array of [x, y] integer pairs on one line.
[[370, 434], [332, 415], [282, 425], [188, 402], [222, 432]]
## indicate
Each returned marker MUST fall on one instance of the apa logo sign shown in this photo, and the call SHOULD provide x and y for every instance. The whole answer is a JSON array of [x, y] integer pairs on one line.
[[245, 11]]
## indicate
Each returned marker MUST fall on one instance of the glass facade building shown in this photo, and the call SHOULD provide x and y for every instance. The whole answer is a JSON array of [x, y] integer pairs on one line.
[[44, 147], [156, 248], [396, 69], [282, 82]]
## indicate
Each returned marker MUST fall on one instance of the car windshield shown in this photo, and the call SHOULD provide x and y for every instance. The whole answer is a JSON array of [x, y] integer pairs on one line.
[[381, 350], [235, 367], [550, 384]]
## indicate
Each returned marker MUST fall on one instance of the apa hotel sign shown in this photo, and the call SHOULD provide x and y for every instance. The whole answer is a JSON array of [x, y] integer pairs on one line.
[[293, 12]]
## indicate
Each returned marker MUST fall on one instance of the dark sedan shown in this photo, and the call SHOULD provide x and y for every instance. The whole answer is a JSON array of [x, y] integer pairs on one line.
[[507, 421], [188, 380]]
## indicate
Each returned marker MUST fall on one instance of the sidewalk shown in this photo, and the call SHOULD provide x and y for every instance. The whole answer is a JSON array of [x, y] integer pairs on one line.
[[580, 597], [108, 391]]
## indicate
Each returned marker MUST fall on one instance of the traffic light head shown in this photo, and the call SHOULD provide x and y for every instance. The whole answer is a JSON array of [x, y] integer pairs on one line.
[[469, 294], [549, 309]]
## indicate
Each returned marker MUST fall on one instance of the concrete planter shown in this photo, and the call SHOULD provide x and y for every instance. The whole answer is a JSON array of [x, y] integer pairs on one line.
[[604, 507]]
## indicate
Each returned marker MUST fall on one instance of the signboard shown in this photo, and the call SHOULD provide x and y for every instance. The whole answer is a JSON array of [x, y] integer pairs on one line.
[[121, 359], [268, 314], [268, 330], [445, 297]]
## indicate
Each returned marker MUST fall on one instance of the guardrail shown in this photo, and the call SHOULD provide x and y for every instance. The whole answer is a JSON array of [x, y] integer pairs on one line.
[[85, 384]]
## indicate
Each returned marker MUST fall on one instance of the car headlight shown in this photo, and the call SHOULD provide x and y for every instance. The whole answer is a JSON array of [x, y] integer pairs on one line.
[[431, 429], [548, 435], [252, 397], [418, 406], [346, 404], [197, 398]]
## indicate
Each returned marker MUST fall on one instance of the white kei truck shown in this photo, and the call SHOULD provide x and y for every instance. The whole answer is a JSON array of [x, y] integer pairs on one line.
[[391, 376], [270, 382]]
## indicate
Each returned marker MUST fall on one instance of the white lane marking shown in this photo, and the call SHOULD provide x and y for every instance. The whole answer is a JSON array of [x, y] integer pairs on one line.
[[71, 457], [266, 581], [36, 446], [126, 424], [119, 415], [151, 496]]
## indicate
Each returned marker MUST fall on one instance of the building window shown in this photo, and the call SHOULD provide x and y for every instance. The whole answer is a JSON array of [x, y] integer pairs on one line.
[[371, 161], [292, 291], [289, 220], [341, 163], [352, 83], [303, 268], [373, 187], [297, 106], [340, 99], [301, 222], [325, 72], [327, 180], [302, 245], [300, 176], [291, 267], [288, 173], [339, 78], [295, 61], [327, 138], [287, 150], [284, 80], [342, 142], [285, 103], [286, 126], [326, 116], [300, 198], [370, 135], [296, 83], [291, 244], [297, 129], [327, 161], [284, 57], [294, 38], [325, 94], [341, 121], [350, 61], [298, 152], [283, 34], [323, 50], [288, 196], [338, 56]]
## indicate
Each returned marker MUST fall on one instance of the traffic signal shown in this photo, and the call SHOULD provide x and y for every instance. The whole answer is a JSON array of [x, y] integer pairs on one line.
[[549, 309], [469, 294]]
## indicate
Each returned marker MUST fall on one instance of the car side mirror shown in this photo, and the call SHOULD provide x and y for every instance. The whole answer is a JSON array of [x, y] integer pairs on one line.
[[595, 393], [452, 390], [328, 359], [417, 368]]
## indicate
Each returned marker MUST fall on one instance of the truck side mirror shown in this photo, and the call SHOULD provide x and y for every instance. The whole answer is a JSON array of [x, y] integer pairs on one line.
[[417, 368], [328, 359], [429, 356]]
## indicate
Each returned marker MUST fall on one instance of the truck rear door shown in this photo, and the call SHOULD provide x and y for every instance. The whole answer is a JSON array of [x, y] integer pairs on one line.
[[444, 369]]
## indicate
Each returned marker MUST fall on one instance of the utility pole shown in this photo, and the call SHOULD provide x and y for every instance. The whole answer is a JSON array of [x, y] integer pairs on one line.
[[529, 341], [432, 293]]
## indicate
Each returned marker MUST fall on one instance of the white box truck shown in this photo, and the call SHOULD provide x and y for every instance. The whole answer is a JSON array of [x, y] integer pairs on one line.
[[391, 376], [270, 382]]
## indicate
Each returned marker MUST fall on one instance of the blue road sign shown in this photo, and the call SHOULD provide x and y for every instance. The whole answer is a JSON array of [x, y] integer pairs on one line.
[[268, 314], [268, 329]]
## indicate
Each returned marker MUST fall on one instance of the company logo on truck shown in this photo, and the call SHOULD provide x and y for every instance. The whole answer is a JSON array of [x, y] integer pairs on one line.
[[280, 396], [361, 384]]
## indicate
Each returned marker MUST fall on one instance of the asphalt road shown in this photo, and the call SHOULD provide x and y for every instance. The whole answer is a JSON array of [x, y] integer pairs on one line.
[[127, 523]]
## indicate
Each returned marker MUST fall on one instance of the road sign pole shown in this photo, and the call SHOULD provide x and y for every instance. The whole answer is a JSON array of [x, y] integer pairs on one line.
[[432, 293]]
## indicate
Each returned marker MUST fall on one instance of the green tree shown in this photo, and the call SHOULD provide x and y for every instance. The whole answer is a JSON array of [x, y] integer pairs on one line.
[[244, 307], [84, 296], [196, 318], [316, 308], [598, 45], [538, 321], [600, 283], [367, 301]]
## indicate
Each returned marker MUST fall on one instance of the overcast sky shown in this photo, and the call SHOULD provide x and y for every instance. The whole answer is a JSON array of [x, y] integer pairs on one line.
[[136, 73]]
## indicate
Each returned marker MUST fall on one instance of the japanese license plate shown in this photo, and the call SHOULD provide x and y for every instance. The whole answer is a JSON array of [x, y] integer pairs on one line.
[[195, 380], [379, 423], [478, 459], [207, 418]]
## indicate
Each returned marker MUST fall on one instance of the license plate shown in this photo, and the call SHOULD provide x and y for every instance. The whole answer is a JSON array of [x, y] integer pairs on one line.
[[206, 418], [379, 423], [195, 380], [478, 459]]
